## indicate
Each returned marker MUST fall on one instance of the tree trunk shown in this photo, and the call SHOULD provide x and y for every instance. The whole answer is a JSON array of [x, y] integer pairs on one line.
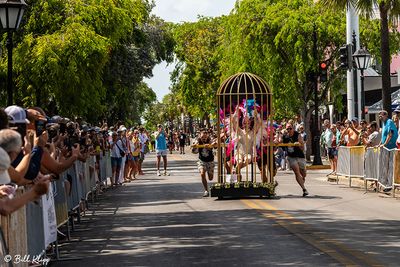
[[206, 118], [385, 52], [307, 128]]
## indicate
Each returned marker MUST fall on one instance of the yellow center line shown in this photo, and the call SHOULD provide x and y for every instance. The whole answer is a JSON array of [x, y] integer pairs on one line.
[[333, 248]]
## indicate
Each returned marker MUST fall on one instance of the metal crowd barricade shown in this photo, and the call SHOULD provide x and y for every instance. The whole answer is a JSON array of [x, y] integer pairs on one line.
[[108, 166], [385, 177], [371, 172], [29, 230], [14, 233], [60, 200], [73, 198], [396, 171], [343, 165], [102, 169], [35, 229], [351, 162]]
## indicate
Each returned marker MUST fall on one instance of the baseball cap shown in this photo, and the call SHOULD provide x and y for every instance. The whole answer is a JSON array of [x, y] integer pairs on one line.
[[4, 165], [397, 110], [354, 119], [55, 119], [16, 114]]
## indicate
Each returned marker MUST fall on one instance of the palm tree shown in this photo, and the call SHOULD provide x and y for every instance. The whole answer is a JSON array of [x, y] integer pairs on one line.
[[389, 11]]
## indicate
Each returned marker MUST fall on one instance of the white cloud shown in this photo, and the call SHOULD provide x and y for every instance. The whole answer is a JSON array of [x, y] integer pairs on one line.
[[188, 10], [179, 11]]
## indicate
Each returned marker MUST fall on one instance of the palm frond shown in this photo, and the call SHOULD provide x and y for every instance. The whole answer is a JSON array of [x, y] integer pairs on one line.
[[337, 4]]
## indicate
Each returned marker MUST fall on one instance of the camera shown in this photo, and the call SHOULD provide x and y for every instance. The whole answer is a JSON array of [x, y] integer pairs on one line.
[[52, 129], [62, 128], [40, 127]]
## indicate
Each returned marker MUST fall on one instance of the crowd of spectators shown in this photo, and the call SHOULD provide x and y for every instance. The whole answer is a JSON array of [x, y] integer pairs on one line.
[[35, 149], [384, 133]]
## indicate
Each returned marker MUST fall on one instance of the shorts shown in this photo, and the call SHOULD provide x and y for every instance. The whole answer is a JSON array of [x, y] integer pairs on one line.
[[332, 152], [161, 153], [141, 156], [206, 166], [301, 162], [135, 158], [129, 157], [116, 162], [264, 160]]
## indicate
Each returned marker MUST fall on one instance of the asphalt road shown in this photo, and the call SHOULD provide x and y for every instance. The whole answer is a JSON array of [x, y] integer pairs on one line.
[[165, 221]]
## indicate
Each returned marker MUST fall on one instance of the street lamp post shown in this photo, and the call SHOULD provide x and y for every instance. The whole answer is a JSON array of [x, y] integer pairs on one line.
[[362, 58], [11, 12]]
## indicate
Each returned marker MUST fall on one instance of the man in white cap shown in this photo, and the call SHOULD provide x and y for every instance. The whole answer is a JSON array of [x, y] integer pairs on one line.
[[18, 121]]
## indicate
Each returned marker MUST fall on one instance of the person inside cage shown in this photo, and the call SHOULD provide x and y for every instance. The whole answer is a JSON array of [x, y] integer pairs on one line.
[[245, 124]]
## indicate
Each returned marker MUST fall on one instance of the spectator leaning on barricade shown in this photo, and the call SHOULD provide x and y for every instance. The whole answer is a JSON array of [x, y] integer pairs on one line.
[[339, 129], [26, 165], [48, 163], [350, 135], [9, 203], [389, 131], [372, 137]]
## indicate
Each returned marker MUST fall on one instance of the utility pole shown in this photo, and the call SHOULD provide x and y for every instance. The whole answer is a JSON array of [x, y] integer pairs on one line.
[[352, 25], [316, 134], [357, 96]]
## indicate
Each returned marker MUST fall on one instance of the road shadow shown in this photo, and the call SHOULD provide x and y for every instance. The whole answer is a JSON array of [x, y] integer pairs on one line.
[[308, 197], [224, 237]]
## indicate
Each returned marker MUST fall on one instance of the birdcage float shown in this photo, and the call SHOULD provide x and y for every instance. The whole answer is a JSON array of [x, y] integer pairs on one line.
[[246, 165]]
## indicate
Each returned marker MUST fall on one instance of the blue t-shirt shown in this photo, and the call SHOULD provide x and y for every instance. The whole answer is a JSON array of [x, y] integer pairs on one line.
[[161, 143], [388, 127]]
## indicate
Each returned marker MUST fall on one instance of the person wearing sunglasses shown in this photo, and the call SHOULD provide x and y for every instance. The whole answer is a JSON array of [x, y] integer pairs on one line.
[[296, 156]]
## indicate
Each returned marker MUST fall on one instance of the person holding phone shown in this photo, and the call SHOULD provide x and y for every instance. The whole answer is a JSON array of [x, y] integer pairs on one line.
[[116, 158], [8, 202], [161, 149], [18, 121]]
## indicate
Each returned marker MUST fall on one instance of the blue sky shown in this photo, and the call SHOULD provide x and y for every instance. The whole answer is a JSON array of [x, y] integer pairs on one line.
[[179, 11]]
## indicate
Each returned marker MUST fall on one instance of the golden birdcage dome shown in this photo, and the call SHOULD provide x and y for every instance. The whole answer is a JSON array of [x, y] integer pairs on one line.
[[244, 83]]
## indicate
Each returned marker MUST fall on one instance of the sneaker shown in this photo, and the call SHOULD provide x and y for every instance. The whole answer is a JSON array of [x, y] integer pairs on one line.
[[166, 173], [305, 192], [158, 173], [206, 194], [387, 189]]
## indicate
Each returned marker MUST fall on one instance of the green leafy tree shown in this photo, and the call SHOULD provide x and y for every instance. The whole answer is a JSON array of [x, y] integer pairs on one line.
[[389, 12], [89, 57], [197, 76]]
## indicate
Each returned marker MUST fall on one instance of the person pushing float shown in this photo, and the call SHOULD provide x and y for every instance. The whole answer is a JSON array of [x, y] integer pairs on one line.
[[245, 143]]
